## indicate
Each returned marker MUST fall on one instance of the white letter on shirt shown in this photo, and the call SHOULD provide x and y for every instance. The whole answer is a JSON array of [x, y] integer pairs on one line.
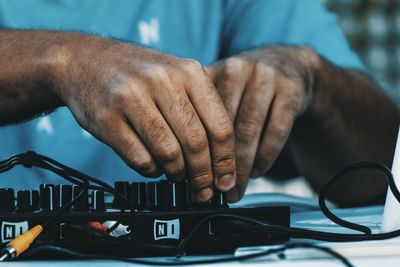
[[149, 31], [44, 125]]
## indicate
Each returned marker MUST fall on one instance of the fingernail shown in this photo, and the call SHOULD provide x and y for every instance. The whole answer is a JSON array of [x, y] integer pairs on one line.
[[204, 195], [255, 173], [226, 182]]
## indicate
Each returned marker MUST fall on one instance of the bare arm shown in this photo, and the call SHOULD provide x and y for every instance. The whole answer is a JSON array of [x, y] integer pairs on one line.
[[348, 120], [323, 116], [160, 113], [28, 62]]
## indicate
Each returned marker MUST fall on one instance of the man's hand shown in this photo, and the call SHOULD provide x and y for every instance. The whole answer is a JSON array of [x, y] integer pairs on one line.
[[264, 90], [159, 112]]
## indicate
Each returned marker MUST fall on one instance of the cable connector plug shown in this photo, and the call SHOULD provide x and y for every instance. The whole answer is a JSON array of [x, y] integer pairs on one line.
[[21, 243], [28, 159]]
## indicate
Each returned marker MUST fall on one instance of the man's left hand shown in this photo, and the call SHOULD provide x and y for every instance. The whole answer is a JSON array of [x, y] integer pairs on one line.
[[264, 91]]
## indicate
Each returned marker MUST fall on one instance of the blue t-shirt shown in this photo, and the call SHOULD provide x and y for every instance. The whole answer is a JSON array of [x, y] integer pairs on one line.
[[203, 30]]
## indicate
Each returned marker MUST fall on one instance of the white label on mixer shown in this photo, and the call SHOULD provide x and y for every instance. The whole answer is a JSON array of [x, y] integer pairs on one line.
[[169, 229], [9, 230]]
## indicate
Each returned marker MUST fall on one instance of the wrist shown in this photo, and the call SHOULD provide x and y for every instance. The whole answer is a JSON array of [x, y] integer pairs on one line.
[[71, 62], [55, 60], [310, 64], [299, 64]]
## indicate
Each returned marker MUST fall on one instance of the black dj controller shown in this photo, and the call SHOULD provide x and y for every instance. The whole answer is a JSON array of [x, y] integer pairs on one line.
[[159, 214]]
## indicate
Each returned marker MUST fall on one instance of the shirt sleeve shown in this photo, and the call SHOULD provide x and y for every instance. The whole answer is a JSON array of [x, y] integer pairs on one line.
[[253, 23]]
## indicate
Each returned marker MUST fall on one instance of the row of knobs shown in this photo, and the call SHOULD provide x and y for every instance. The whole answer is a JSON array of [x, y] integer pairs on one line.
[[154, 195], [49, 198], [161, 195]]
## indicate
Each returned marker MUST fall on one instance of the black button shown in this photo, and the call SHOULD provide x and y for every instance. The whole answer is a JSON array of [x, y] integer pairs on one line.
[[35, 200], [123, 189], [219, 200], [23, 201], [82, 204], [7, 203], [138, 196], [176, 195], [64, 194], [155, 195], [47, 197], [98, 201]]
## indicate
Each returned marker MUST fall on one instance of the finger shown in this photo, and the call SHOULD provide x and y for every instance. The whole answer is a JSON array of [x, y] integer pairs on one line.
[[119, 135], [231, 83], [157, 136], [218, 125], [284, 110], [249, 124], [190, 132], [213, 70]]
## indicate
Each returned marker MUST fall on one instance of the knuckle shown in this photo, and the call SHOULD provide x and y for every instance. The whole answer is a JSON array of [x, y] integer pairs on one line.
[[306, 51], [119, 97], [201, 181], [157, 72], [234, 64], [264, 70], [138, 161], [224, 164], [280, 131], [175, 172], [104, 121], [224, 133], [169, 151], [192, 66], [293, 103], [196, 141], [266, 158], [144, 163], [308, 55], [247, 130], [131, 91]]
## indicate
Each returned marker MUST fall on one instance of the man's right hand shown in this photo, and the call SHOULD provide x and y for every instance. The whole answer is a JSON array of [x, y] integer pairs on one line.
[[160, 113]]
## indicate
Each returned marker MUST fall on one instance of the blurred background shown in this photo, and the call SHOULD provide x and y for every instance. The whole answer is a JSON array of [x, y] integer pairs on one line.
[[373, 29]]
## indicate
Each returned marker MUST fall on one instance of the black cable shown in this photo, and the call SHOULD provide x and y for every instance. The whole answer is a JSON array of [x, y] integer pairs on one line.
[[75, 254], [339, 175], [292, 232], [31, 159], [64, 208], [103, 185], [116, 224], [7, 160]]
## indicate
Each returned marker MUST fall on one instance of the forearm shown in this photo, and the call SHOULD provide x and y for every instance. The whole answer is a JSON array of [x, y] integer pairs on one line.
[[182, 130], [348, 119], [27, 64]]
